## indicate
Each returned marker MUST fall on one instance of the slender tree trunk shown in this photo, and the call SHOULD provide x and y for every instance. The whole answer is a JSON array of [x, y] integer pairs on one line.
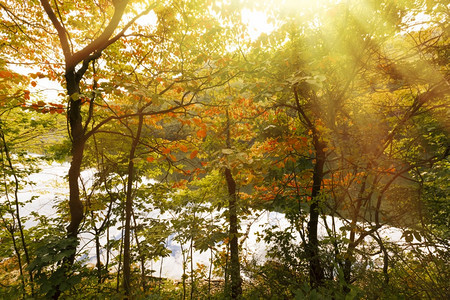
[[107, 254], [160, 272], [78, 141], [235, 272], [227, 271], [210, 272], [316, 273], [235, 269], [129, 212], [349, 255], [348, 261], [184, 271], [17, 215], [377, 237], [119, 266], [191, 249], [10, 228], [141, 256], [97, 254], [19, 259], [210, 265]]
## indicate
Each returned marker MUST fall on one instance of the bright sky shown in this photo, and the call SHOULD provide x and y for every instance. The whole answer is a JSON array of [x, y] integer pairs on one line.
[[257, 23]]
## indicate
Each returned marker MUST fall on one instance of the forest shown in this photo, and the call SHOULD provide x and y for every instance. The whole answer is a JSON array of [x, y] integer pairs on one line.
[[185, 126]]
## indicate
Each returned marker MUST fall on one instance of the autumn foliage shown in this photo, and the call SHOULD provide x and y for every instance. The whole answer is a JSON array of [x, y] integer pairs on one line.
[[190, 133]]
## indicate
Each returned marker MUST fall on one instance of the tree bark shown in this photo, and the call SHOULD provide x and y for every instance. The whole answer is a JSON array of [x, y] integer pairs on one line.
[[78, 142], [129, 212], [316, 273], [235, 272], [141, 257]]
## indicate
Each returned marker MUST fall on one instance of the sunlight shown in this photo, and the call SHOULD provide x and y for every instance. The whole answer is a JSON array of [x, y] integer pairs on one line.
[[258, 20], [148, 20], [257, 23]]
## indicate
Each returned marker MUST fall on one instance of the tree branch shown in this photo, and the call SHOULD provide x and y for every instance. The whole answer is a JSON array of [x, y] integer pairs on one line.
[[101, 42], [150, 113], [60, 29]]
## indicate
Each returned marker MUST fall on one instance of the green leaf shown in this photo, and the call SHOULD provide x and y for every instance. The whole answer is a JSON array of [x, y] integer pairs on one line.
[[75, 96]]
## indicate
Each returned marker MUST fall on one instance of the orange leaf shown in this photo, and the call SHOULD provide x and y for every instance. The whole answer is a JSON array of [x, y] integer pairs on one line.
[[183, 148], [201, 133], [5, 74], [165, 150], [197, 121], [193, 154], [33, 83], [150, 159]]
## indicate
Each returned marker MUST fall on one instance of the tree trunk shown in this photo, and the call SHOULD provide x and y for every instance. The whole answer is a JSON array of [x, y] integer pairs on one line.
[[316, 273], [17, 215], [97, 254], [236, 281], [141, 257], [191, 249], [119, 265], [353, 229], [235, 270], [129, 212], [183, 277], [78, 142]]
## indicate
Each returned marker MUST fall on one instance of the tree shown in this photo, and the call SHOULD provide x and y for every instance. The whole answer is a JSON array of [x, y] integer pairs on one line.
[[336, 119]]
